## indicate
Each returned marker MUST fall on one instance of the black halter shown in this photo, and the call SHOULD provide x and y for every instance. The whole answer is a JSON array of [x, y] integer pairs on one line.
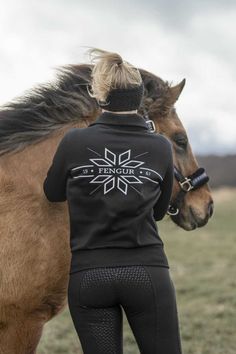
[[192, 182]]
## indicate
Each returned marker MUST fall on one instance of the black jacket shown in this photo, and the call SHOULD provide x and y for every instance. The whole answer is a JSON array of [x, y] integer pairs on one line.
[[117, 178]]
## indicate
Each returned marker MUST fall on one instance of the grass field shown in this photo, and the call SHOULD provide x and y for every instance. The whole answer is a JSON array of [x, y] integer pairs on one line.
[[203, 267]]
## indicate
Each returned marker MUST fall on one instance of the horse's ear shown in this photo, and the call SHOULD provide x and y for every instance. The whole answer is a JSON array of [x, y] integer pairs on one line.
[[175, 91]]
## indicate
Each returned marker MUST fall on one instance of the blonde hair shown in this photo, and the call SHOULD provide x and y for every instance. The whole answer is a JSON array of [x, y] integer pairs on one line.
[[110, 72]]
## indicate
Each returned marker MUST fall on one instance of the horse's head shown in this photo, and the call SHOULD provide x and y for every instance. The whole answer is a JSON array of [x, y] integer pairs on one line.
[[196, 206]]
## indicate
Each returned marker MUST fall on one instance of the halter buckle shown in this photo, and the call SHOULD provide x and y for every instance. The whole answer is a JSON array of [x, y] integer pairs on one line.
[[186, 185], [151, 123]]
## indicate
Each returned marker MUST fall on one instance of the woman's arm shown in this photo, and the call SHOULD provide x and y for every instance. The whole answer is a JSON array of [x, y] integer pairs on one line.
[[163, 202]]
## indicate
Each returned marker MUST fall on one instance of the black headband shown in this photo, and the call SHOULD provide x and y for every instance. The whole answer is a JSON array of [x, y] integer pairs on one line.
[[123, 99]]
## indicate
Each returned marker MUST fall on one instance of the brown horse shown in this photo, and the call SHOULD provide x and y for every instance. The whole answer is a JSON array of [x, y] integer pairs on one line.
[[34, 233]]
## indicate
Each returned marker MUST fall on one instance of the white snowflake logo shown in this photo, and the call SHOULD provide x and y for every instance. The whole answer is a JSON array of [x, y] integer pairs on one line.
[[116, 171]]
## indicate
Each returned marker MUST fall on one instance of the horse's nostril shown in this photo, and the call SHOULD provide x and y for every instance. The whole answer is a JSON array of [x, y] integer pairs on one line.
[[210, 209]]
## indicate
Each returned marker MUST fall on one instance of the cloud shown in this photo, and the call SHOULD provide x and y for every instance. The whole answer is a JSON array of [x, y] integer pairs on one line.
[[171, 39]]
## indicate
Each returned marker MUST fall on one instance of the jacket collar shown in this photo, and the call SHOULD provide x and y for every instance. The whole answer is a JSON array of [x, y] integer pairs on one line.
[[129, 119]]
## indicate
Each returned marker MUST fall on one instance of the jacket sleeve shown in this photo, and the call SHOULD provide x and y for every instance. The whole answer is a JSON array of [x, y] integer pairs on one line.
[[161, 206], [54, 185]]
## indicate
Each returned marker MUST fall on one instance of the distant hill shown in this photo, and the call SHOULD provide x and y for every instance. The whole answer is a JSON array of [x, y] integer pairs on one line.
[[220, 169]]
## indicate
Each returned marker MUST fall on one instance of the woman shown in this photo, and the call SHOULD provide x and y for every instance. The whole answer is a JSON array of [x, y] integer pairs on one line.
[[117, 178]]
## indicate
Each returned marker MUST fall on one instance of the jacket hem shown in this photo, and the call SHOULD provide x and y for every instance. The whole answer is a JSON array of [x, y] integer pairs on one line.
[[110, 257]]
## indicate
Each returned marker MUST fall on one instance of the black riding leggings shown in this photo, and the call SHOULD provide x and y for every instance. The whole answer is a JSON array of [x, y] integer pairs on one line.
[[146, 294]]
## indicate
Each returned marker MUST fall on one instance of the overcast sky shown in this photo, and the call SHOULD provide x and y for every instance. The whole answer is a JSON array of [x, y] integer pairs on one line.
[[173, 39]]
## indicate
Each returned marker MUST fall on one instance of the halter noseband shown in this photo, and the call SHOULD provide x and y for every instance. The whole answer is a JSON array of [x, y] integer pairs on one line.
[[192, 182]]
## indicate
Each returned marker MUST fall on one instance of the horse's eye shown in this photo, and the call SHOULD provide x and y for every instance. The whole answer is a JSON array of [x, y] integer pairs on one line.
[[181, 141]]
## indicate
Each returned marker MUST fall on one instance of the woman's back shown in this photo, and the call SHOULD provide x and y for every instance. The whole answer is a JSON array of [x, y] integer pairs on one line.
[[115, 170]]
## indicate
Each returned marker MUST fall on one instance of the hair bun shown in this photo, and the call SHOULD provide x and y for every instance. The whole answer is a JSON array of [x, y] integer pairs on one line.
[[111, 71]]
